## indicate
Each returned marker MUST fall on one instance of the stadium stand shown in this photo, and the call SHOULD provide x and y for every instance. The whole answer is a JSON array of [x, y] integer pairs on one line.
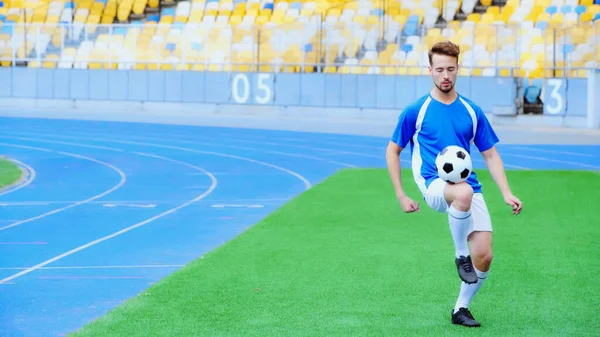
[[528, 38]]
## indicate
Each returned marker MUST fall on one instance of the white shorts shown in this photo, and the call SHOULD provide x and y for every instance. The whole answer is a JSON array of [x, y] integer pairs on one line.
[[480, 217]]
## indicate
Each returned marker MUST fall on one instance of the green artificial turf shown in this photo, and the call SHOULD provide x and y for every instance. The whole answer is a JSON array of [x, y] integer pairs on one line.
[[342, 259], [9, 173]]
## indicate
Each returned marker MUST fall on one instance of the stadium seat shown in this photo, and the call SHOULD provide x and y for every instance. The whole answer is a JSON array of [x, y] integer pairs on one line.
[[530, 38]]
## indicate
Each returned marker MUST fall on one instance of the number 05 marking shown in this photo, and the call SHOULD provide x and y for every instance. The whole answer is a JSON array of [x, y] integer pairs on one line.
[[240, 88]]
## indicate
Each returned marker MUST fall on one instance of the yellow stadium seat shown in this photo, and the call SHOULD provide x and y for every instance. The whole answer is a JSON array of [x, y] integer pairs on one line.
[[355, 28]]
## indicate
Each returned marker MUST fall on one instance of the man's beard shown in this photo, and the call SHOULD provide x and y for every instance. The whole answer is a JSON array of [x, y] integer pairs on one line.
[[445, 91]]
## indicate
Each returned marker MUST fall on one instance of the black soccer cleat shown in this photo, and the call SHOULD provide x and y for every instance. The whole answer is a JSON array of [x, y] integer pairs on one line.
[[464, 317], [465, 269]]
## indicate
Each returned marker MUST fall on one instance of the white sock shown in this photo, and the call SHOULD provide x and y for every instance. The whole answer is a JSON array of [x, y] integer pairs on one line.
[[468, 291], [459, 227]]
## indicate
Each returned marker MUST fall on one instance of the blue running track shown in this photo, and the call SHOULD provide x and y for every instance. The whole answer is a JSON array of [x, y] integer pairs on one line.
[[111, 208]]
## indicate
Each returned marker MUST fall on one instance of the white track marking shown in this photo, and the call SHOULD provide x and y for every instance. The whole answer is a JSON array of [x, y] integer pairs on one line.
[[526, 148], [237, 206], [102, 267], [34, 203], [125, 230], [349, 144], [112, 189], [307, 183], [131, 205], [304, 147], [352, 153], [320, 141], [195, 187], [149, 266], [505, 164], [550, 160], [26, 183], [139, 202], [363, 154], [336, 152], [335, 162]]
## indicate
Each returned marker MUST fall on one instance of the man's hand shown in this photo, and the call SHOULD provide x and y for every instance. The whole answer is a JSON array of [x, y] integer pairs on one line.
[[514, 202], [408, 205]]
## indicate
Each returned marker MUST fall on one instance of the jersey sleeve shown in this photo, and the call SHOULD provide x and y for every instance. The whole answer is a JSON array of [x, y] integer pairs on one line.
[[485, 137], [406, 127]]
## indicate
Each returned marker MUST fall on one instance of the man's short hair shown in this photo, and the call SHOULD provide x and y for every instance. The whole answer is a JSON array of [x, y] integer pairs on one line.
[[447, 48]]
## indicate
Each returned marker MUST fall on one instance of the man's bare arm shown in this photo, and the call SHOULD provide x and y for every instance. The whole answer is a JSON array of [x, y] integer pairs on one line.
[[496, 167], [392, 157]]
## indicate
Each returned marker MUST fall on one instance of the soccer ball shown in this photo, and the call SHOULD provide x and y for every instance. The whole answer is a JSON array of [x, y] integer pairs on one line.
[[454, 164]]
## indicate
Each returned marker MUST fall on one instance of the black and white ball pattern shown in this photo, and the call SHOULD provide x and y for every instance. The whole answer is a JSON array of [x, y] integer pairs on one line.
[[454, 164]]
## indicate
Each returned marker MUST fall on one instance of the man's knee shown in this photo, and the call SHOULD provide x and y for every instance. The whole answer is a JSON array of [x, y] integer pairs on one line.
[[460, 196], [482, 259], [481, 249]]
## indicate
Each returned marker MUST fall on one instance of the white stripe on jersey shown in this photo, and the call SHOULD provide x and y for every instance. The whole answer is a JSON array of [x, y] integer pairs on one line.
[[416, 156], [473, 117]]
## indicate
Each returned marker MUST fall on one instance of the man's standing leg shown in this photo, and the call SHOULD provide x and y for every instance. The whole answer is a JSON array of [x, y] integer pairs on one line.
[[480, 242]]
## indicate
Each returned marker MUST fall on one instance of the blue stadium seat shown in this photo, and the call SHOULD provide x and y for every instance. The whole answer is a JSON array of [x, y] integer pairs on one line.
[[153, 18], [580, 9], [410, 29], [568, 48], [407, 48], [197, 46], [377, 12], [8, 29], [551, 9], [541, 25], [566, 9], [296, 5]]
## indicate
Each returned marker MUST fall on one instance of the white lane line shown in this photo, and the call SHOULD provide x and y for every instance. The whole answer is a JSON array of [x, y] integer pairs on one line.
[[145, 266], [298, 155], [30, 177], [297, 140], [594, 167], [237, 206], [58, 210], [526, 148], [381, 141], [146, 203], [136, 205], [125, 230], [304, 147], [305, 181]]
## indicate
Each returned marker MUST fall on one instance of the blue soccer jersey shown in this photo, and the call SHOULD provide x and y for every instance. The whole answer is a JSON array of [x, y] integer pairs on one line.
[[430, 125]]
